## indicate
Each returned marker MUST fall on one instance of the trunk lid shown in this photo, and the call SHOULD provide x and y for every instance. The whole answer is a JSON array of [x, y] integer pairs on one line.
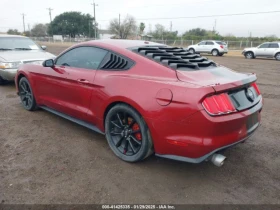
[[220, 78], [223, 80]]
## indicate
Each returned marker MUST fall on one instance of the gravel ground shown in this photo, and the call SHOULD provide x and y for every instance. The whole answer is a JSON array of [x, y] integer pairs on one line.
[[46, 159]]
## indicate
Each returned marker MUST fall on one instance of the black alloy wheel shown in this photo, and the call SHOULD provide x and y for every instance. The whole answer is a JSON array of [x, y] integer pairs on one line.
[[127, 133], [26, 95]]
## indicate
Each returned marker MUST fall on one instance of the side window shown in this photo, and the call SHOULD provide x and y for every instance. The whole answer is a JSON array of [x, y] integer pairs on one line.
[[209, 43], [273, 45], [201, 43], [264, 45], [82, 57]]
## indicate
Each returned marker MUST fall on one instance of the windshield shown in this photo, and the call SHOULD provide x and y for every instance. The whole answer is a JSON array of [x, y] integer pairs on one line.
[[17, 43]]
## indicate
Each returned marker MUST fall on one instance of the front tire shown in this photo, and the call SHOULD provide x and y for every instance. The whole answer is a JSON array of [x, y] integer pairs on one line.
[[221, 54], [249, 55], [215, 52], [277, 56], [26, 95], [2, 81], [127, 134]]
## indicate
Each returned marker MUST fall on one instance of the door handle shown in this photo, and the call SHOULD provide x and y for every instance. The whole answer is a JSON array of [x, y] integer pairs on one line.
[[83, 81]]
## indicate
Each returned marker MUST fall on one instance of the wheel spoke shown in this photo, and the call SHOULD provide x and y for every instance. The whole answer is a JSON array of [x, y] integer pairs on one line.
[[115, 124], [125, 118], [22, 87], [135, 140], [136, 131], [115, 134], [120, 120], [25, 102], [29, 101], [125, 147], [132, 147], [120, 141]]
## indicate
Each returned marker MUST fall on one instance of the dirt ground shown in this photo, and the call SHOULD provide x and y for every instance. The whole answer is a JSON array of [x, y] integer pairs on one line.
[[46, 159]]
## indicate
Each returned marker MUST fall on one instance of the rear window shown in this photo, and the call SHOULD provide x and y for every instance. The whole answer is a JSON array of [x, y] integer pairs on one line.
[[221, 43]]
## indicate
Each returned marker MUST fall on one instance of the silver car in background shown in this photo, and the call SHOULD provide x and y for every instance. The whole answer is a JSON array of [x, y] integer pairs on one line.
[[214, 47], [16, 50], [265, 50]]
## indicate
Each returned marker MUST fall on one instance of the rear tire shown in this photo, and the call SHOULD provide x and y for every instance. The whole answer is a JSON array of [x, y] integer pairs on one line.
[[191, 50], [215, 52], [128, 134], [26, 95], [249, 55], [277, 56]]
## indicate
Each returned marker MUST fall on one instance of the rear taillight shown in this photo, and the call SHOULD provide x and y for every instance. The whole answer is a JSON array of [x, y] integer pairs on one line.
[[218, 104], [255, 86], [221, 46]]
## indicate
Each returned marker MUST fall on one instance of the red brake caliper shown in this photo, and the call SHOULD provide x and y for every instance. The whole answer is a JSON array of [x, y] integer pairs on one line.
[[135, 127]]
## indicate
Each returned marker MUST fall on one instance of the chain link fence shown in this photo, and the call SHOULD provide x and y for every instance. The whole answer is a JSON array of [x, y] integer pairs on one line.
[[232, 45]]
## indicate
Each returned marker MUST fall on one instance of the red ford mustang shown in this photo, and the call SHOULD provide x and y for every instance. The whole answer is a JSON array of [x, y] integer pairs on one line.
[[146, 98]]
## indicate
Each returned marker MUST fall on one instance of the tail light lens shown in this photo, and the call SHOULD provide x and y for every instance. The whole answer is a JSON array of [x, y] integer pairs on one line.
[[255, 86], [221, 46], [218, 104]]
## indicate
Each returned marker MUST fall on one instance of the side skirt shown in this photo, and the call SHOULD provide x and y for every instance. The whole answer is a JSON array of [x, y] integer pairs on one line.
[[80, 122]]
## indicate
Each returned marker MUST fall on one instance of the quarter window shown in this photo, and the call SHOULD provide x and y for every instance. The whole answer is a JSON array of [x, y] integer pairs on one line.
[[273, 45], [82, 57]]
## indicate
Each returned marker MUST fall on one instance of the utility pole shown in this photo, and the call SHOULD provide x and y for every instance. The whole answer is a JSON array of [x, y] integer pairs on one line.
[[170, 26], [50, 13], [120, 25], [94, 5], [23, 15]]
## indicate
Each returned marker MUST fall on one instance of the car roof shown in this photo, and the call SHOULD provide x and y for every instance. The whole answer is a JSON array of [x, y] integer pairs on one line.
[[8, 35], [124, 43]]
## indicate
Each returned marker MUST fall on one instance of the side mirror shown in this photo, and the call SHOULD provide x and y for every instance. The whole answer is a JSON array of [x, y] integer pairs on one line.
[[48, 63], [44, 47]]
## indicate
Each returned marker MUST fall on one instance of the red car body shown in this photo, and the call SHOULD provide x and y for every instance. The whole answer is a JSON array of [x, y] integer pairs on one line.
[[170, 101]]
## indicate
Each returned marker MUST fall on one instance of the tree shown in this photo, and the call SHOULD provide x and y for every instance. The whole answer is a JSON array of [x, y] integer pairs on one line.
[[39, 30], [142, 28], [13, 32], [161, 32], [123, 29], [72, 24]]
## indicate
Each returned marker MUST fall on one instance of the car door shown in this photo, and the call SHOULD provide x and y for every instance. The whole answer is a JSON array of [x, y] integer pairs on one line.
[[273, 47], [209, 46], [261, 51], [70, 87], [201, 47]]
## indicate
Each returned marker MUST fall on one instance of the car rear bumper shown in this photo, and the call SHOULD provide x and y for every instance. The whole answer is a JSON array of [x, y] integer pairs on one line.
[[201, 135], [8, 74]]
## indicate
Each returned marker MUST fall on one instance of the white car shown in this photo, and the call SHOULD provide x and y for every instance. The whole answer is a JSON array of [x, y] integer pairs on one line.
[[216, 48], [16, 50], [268, 50]]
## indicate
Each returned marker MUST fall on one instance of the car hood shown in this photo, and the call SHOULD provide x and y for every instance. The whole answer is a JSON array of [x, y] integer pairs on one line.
[[220, 78], [251, 48], [24, 55]]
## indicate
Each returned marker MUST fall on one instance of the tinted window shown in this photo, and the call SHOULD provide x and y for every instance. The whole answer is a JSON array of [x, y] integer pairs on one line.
[[82, 57], [273, 45], [202, 43], [264, 46], [209, 43]]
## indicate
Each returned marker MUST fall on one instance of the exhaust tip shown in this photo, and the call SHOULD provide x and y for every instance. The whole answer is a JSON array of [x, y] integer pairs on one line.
[[218, 160]]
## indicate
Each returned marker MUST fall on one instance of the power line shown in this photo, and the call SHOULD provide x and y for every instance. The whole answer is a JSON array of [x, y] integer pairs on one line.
[[207, 16]]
